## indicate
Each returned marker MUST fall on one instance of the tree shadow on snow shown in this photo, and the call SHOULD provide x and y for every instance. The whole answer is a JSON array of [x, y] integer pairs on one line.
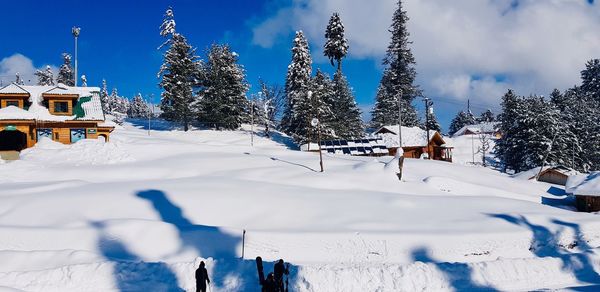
[[130, 272], [207, 241], [546, 243], [155, 124], [561, 200], [459, 275]]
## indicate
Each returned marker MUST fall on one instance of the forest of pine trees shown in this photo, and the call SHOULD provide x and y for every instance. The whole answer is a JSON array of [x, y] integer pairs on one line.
[[564, 129]]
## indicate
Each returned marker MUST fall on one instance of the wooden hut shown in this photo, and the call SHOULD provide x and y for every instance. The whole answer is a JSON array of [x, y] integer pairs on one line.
[[414, 142], [555, 175], [586, 189]]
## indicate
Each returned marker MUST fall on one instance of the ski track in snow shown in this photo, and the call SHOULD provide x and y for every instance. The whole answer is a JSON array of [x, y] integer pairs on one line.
[[141, 212]]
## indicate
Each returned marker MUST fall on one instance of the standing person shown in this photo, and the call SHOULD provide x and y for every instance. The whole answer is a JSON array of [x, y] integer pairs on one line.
[[270, 285], [279, 271], [201, 278]]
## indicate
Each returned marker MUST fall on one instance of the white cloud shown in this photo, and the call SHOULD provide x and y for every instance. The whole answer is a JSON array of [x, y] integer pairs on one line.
[[464, 48], [18, 63]]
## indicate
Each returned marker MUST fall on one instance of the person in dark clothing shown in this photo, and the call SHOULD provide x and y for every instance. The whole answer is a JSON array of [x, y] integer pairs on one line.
[[201, 278], [279, 271], [270, 285]]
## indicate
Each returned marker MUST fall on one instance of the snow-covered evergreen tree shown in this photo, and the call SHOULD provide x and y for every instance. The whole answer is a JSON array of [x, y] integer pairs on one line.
[[432, 122], [336, 45], [348, 122], [83, 81], [114, 104], [179, 74], [399, 75], [590, 77], [223, 95], [323, 98], [296, 117], [138, 108], [19, 80], [45, 77], [486, 117], [65, 73], [460, 120], [511, 147], [104, 98]]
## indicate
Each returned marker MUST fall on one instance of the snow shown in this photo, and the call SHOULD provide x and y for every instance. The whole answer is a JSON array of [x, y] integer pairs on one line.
[[411, 136], [139, 214], [584, 184]]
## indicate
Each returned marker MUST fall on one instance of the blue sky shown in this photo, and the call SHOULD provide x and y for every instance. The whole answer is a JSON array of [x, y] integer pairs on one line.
[[119, 41]]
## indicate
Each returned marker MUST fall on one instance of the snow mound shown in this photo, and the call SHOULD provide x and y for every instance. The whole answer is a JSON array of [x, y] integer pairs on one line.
[[87, 151]]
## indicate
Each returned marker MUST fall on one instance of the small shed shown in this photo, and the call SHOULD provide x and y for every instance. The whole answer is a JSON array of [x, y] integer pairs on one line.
[[586, 189], [488, 128], [556, 174]]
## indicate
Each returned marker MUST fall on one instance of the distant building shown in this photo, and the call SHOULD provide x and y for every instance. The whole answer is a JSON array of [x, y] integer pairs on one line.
[[359, 147], [586, 189], [555, 175], [491, 128], [61, 113], [414, 142]]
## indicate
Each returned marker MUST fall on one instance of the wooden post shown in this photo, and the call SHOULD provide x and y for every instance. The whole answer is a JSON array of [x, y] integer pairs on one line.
[[243, 243]]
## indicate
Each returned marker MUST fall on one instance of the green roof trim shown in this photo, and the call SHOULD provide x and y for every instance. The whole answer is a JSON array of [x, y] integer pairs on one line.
[[78, 109]]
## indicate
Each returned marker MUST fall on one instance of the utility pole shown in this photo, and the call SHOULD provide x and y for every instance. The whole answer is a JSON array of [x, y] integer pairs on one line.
[[316, 123], [75, 31], [252, 121], [150, 111], [428, 104], [399, 152]]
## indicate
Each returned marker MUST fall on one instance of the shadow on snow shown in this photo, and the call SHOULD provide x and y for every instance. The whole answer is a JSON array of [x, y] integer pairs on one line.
[[131, 273]]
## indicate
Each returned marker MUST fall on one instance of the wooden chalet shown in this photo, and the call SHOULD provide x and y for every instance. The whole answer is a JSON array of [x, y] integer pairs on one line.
[[490, 128], [555, 175], [414, 142], [61, 113], [586, 189]]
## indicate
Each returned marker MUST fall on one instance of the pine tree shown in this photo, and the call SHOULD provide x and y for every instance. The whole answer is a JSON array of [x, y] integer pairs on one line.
[[399, 75], [322, 93], [179, 74], [336, 45], [65, 74], [83, 81], [348, 122], [18, 79], [223, 95], [104, 98], [45, 77], [138, 108], [510, 147], [462, 119], [114, 104], [432, 122], [590, 77], [486, 117], [296, 119]]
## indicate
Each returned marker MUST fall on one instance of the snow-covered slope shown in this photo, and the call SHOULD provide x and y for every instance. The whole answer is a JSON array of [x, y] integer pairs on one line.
[[139, 214]]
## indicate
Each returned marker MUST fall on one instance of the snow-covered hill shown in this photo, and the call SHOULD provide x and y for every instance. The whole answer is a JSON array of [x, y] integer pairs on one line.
[[139, 214]]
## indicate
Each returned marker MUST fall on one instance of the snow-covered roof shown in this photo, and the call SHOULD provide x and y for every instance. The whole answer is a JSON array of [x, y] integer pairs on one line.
[[13, 88], [354, 147], [584, 184], [532, 173], [88, 99], [487, 128], [411, 136]]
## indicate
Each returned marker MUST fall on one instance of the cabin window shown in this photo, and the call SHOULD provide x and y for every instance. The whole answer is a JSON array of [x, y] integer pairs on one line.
[[61, 107], [12, 103], [44, 133], [77, 134]]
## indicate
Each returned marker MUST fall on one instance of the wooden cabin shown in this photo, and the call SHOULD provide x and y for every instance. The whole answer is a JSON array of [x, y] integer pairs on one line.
[[414, 142], [489, 128], [557, 175], [586, 189], [61, 113]]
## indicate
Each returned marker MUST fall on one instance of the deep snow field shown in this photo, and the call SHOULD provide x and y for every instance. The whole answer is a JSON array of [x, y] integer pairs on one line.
[[139, 214]]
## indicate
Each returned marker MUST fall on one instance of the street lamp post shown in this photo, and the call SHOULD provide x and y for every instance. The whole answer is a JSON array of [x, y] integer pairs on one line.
[[75, 31]]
